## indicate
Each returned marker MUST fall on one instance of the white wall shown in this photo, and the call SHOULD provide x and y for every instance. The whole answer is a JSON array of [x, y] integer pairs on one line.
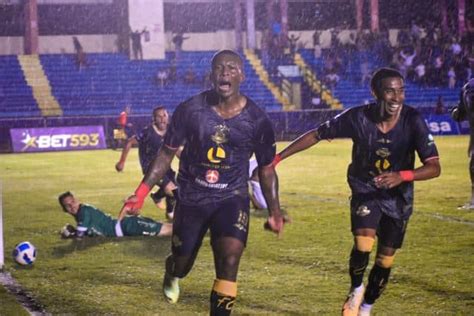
[[196, 42]]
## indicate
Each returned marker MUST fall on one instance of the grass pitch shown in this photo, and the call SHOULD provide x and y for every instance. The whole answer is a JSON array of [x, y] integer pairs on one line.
[[303, 273]]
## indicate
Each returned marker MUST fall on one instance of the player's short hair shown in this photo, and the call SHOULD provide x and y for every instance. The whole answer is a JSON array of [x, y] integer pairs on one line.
[[61, 198], [226, 52], [380, 74], [158, 108]]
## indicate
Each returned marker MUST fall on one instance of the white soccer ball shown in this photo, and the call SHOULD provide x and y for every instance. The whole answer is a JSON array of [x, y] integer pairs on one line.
[[24, 253]]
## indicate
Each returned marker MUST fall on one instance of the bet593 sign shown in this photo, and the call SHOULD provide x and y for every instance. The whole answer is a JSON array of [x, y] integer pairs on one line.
[[57, 138]]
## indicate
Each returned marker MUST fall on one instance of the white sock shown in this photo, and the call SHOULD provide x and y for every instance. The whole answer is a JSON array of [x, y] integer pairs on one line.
[[359, 288], [366, 307]]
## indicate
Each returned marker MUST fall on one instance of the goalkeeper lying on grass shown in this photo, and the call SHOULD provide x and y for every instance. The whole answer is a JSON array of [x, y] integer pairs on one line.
[[93, 222]]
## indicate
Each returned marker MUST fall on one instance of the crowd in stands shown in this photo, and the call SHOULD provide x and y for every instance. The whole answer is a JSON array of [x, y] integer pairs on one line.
[[422, 53]]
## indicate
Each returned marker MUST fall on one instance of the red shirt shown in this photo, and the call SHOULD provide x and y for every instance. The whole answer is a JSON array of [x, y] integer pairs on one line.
[[123, 119]]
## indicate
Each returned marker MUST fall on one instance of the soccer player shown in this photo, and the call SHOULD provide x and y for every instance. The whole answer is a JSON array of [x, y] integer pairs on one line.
[[149, 141], [93, 222], [385, 136], [465, 110], [222, 129]]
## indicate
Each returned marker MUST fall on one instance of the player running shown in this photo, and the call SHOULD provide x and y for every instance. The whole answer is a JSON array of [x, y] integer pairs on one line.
[[465, 111], [222, 129], [385, 136], [93, 222], [149, 141]]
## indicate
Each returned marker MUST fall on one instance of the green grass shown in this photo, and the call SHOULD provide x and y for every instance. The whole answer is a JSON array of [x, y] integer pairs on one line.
[[303, 273]]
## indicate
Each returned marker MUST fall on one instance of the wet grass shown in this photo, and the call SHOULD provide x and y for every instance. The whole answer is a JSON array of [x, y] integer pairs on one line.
[[303, 273]]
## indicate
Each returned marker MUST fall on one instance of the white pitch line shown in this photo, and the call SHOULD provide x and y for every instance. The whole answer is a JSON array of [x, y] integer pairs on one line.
[[26, 301]]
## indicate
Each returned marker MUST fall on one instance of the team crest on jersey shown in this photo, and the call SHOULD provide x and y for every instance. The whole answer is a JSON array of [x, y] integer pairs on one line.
[[383, 152], [221, 136], [217, 153], [362, 211], [212, 176]]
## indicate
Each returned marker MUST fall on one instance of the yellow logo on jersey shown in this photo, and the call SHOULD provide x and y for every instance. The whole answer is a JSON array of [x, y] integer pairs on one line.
[[216, 154], [382, 165]]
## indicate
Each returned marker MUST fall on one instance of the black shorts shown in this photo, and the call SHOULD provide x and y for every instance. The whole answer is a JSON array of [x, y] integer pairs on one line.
[[228, 218], [368, 214]]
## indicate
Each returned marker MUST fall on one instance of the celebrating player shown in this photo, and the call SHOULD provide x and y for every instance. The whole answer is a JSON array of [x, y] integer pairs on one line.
[[222, 129], [93, 222], [149, 141], [465, 110], [385, 136]]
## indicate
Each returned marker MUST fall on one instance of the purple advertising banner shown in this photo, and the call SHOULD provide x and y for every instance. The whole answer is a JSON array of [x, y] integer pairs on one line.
[[57, 138]]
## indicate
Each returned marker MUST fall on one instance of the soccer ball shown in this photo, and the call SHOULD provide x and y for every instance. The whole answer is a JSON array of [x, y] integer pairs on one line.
[[24, 253]]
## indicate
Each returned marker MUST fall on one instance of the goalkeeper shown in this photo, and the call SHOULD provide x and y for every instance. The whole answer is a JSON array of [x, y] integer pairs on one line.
[[465, 111], [93, 222]]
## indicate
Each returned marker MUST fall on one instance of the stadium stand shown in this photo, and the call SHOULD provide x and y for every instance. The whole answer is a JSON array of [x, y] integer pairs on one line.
[[16, 97], [352, 93], [111, 81]]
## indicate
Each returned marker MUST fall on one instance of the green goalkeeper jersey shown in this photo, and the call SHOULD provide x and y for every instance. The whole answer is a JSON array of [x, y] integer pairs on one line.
[[93, 222]]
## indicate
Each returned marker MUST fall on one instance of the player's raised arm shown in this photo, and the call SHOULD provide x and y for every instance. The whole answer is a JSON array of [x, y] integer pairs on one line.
[[303, 142], [155, 172]]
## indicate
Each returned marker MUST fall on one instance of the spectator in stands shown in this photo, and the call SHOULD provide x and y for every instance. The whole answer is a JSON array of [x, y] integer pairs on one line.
[[162, 77], [465, 111], [293, 43], [407, 56], [451, 77], [317, 44], [124, 130], [189, 77], [415, 31], [331, 79], [178, 40], [440, 108], [81, 58], [136, 38]]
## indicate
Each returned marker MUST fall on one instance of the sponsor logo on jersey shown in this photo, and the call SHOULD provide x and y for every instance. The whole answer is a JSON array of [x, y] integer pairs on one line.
[[384, 141], [362, 211], [212, 176]]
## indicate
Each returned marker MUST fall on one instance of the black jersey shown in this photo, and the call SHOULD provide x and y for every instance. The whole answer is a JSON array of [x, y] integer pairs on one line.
[[149, 142], [214, 163], [375, 152]]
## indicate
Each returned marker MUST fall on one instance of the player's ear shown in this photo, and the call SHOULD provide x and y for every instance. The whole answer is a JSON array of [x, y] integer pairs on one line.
[[374, 94]]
